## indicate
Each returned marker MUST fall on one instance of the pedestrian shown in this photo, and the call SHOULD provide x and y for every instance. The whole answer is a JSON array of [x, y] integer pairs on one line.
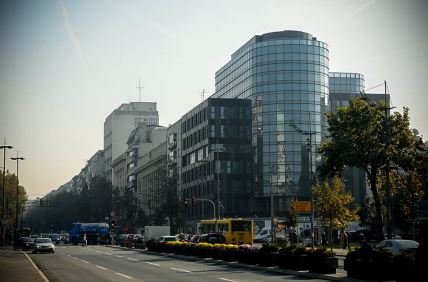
[[345, 240], [84, 242], [323, 239], [361, 238]]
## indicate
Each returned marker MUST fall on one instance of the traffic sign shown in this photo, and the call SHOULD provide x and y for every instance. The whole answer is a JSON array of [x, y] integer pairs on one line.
[[303, 219], [303, 206]]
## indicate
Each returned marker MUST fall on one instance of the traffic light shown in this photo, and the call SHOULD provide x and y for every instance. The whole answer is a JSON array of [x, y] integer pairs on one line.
[[193, 200], [185, 203], [113, 224]]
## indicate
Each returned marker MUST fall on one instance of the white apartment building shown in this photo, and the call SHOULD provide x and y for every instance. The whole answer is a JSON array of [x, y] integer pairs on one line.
[[119, 125]]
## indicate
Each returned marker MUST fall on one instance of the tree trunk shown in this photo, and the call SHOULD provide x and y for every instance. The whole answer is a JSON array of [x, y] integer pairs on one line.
[[377, 202]]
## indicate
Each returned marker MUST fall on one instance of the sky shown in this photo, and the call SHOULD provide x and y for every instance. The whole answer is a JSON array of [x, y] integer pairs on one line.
[[66, 65]]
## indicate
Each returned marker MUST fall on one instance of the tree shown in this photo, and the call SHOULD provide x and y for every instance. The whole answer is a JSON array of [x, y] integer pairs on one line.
[[291, 214], [360, 135], [333, 205], [10, 197]]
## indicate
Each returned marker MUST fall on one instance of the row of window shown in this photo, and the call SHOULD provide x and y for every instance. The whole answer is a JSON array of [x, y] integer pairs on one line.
[[194, 120], [225, 167]]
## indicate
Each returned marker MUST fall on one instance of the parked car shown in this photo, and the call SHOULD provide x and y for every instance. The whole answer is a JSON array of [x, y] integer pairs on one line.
[[129, 241], [43, 245], [27, 243], [396, 246], [139, 242], [213, 238], [120, 239], [168, 239]]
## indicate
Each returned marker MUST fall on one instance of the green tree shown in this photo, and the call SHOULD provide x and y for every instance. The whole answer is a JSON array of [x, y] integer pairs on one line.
[[333, 205], [360, 135], [291, 215], [10, 197]]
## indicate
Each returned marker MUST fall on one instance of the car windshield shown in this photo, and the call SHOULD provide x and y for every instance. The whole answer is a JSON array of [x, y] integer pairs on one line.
[[43, 240]]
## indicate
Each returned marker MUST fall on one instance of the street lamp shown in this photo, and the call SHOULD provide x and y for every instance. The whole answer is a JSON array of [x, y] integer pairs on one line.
[[17, 159], [4, 147], [309, 148]]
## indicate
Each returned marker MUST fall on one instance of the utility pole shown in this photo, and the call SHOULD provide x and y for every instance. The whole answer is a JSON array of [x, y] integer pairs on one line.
[[3, 217], [17, 159], [387, 180], [309, 148]]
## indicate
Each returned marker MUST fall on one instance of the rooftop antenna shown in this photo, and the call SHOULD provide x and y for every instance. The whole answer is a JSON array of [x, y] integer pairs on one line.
[[203, 94], [139, 86]]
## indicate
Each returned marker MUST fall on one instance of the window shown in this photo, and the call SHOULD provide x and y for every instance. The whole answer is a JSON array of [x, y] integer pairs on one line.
[[212, 132]]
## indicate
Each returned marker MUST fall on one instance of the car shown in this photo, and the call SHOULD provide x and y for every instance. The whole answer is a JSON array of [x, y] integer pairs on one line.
[[27, 243], [167, 239], [213, 238], [397, 246], [43, 245], [139, 241]]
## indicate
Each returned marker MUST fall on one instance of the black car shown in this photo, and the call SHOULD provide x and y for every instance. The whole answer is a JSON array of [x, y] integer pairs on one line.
[[27, 243]]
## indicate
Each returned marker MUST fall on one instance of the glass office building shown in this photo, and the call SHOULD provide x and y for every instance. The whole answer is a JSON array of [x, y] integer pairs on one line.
[[286, 76]]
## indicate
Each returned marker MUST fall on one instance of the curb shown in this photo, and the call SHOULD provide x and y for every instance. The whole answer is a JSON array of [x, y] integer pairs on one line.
[[273, 269]]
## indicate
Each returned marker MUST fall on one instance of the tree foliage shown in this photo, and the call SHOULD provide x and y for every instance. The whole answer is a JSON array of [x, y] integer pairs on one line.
[[333, 205], [10, 197], [362, 136]]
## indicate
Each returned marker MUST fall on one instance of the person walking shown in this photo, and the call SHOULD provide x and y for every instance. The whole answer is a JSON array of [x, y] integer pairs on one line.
[[85, 241]]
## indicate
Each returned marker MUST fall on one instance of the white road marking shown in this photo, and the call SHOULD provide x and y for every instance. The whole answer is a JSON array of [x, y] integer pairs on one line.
[[62, 247], [108, 254], [132, 259], [37, 269], [123, 275], [225, 279], [72, 257], [119, 256], [152, 263], [182, 270], [100, 252], [85, 261], [101, 267]]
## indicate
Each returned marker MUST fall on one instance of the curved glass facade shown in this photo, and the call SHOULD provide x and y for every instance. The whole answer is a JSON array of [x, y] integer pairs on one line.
[[286, 75]]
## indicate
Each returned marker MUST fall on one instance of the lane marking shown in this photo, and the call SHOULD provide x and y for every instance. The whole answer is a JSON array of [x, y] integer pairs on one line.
[[152, 263], [119, 256], [182, 270], [72, 257], [99, 252], [38, 270], [123, 275], [132, 259], [101, 267], [224, 279], [108, 254], [85, 261]]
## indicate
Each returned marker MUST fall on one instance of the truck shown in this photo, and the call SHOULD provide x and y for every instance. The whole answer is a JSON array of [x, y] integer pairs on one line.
[[154, 232], [95, 233]]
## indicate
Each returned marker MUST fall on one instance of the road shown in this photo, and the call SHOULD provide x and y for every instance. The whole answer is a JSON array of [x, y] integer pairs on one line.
[[99, 263]]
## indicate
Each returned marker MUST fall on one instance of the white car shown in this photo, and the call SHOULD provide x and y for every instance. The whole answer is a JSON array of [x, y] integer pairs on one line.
[[43, 245], [396, 246]]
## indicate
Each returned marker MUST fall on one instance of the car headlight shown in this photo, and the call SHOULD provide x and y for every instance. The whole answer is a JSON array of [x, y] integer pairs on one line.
[[37, 246]]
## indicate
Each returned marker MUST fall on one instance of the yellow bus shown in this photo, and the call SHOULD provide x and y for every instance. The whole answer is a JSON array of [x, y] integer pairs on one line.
[[236, 230]]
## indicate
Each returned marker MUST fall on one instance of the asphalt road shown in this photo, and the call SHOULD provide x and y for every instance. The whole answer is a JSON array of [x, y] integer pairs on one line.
[[99, 263]]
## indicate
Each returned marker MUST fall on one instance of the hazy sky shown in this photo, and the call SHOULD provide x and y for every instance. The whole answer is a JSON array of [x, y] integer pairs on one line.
[[66, 65]]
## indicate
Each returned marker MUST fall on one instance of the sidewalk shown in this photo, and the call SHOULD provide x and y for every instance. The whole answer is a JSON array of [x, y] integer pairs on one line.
[[15, 266]]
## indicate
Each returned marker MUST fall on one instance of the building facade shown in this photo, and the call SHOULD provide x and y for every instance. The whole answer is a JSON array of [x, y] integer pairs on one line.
[[216, 162], [118, 126], [151, 181], [285, 75]]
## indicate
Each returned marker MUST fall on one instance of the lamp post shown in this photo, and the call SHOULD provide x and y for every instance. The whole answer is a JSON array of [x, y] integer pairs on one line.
[[4, 147], [309, 148], [17, 159]]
